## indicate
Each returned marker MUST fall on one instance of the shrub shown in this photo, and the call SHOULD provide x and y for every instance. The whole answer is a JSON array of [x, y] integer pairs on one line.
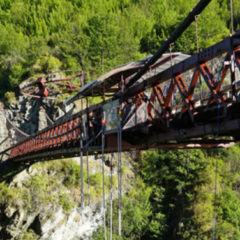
[[9, 98], [8, 195], [66, 203], [28, 235]]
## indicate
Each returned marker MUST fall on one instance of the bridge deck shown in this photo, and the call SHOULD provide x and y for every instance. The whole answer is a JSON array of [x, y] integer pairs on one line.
[[165, 108]]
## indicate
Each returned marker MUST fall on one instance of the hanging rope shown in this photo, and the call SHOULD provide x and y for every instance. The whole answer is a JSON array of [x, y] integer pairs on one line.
[[216, 173], [196, 31], [232, 67], [119, 140], [172, 78], [44, 106], [82, 186], [111, 196], [87, 123], [197, 48], [171, 59], [103, 189], [232, 23], [88, 184], [14, 127]]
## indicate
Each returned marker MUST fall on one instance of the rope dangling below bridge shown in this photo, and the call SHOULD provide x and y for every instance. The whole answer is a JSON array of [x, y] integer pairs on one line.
[[216, 173], [119, 181], [82, 184], [103, 182], [88, 179], [111, 195]]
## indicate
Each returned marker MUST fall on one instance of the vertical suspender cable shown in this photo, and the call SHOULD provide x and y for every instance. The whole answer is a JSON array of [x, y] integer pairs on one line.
[[111, 193], [232, 67], [87, 136], [232, 24], [88, 180], [103, 165], [216, 174], [171, 63], [81, 163], [172, 76], [196, 31], [171, 60], [119, 181], [103, 189], [82, 187], [197, 48]]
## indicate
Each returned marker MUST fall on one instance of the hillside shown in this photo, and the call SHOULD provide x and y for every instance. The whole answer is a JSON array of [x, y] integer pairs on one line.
[[40, 36], [166, 194]]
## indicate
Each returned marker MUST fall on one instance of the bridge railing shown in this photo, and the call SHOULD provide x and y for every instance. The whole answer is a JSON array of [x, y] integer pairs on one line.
[[161, 96], [201, 80], [62, 134]]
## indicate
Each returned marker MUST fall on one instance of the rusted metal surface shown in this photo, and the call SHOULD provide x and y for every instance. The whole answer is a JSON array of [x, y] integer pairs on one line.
[[174, 36], [47, 87], [165, 110], [190, 63]]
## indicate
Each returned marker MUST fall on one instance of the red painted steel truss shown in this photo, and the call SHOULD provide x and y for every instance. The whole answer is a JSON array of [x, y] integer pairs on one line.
[[171, 93]]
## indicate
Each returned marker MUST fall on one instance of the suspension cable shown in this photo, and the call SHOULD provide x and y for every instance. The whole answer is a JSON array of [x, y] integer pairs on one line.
[[48, 118], [16, 128], [82, 186], [231, 9], [111, 195], [119, 181], [197, 48], [88, 183], [103, 189], [232, 61], [172, 76], [216, 174], [171, 58], [86, 145], [196, 31]]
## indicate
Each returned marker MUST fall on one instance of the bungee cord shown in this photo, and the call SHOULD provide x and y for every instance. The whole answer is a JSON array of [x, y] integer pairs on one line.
[[82, 183], [216, 174], [119, 181], [111, 196], [103, 183]]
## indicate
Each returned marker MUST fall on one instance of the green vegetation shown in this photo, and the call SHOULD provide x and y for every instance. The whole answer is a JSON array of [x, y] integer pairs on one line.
[[56, 181], [41, 36], [8, 195], [66, 203], [173, 196], [28, 235], [9, 98]]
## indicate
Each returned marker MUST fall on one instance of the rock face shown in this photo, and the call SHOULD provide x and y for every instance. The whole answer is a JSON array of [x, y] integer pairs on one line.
[[72, 227], [4, 133], [25, 117], [21, 120], [28, 116], [43, 202]]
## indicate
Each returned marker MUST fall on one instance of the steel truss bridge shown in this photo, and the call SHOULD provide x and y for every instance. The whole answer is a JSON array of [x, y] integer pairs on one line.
[[175, 104], [167, 101]]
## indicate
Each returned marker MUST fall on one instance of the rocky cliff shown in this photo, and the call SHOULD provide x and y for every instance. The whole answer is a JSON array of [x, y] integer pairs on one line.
[[43, 201]]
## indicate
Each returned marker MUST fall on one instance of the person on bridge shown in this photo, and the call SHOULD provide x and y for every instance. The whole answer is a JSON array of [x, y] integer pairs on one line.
[[94, 119], [96, 122], [43, 92]]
